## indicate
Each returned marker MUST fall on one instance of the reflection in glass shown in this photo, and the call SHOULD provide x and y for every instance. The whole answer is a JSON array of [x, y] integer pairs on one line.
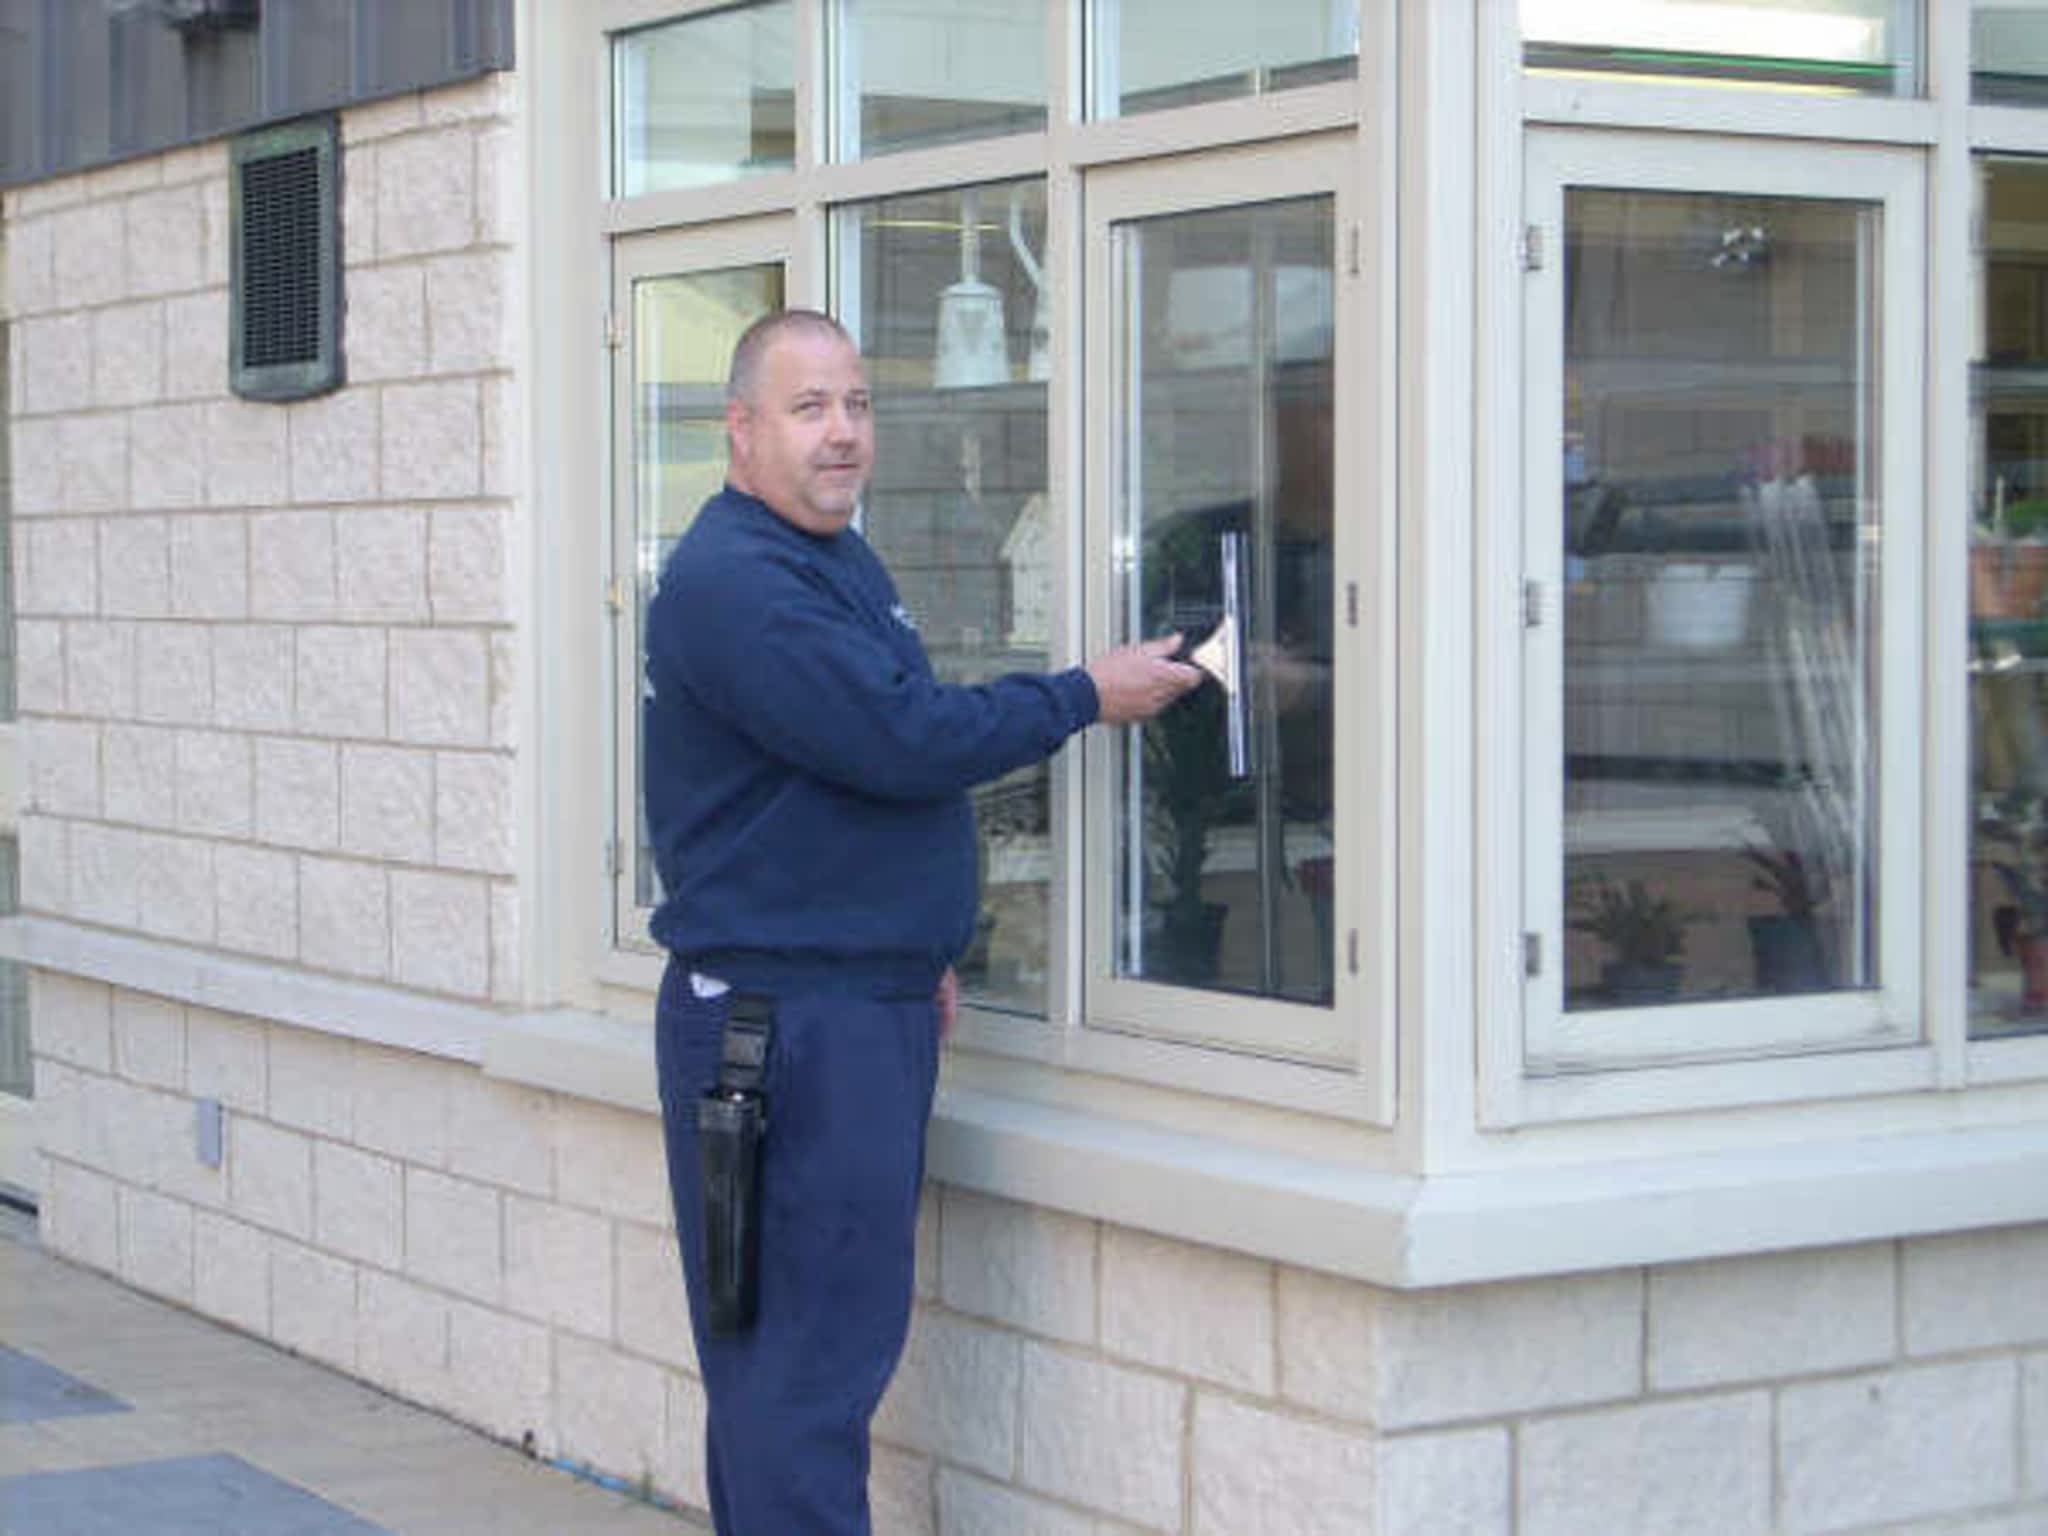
[[1225, 489], [1173, 53], [1721, 505], [914, 73], [707, 99], [2008, 621], [1863, 46], [942, 291], [2009, 51], [684, 328]]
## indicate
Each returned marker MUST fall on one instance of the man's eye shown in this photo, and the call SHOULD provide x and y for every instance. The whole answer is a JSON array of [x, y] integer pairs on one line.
[[859, 405], [809, 407]]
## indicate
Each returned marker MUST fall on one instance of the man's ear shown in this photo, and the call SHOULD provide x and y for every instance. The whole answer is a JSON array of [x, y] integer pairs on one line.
[[739, 430]]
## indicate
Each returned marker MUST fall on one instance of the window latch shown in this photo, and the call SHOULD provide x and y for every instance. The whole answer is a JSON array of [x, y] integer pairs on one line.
[[1529, 248], [1532, 955]]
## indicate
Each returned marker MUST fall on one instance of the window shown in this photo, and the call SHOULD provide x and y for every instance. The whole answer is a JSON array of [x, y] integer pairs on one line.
[[704, 100], [1843, 45], [2009, 51], [913, 74], [1158, 53]]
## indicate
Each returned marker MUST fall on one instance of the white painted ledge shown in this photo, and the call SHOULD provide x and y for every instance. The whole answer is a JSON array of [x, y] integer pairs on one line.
[[1395, 1230]]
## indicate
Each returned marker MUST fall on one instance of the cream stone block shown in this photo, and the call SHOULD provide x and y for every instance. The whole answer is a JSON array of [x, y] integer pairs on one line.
[[122, 178], [225, 1059], [466, 564], [252, 670], [402, 1339], [312, 1081], [681, 1476], [61, 568], [256, 895], [1897, 1445], [379, 120], [56, 356], [956, 1394], [358, 217], [174, 887], [79, 1218], [156, 1244], [440, 932], [142, 775], [924, 1282], [341, 681], [270, 1176], [1188, 1310], [166, 241], [387, 803], [37, 447], [246, 454], [128, 355], [215, 783], [382, 559], [500, 1133], [149, 1040], [611, 1160], [135, 567], [31, 265], [386, 329], [1257, 1472], [358, 1205], [505, 439], [1018, 1264], [45, 864], [103, 885], [196, 346], [40, 665], [969, 1506], [63, 766], [432, 440], [100, 668], [57, 1106], [45, 196], [654, 1309], [402, 1102], [291, 566], [440, 687], [198, 162], [473, 812], [231, 1272], [426, 193], [491, 95], [611, 1408], [453, 1231], [499, 1367], [1456, 1484], [506, 971], [91, 254], [298, 793], [313, 1304], [1408, 1359], [2034, 1422], [72, 1020], [96, 463], [174, 673], [1777, 1315], [210, 567], [334, 447], [558, 1265], [213, 195], [344, 917], [1959, 1291], [466, 316], [504, 688], [1701, 1465], [1103, 1437]]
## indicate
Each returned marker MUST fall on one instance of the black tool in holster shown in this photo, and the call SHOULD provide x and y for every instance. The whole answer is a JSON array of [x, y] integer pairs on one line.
[[731, 1120]]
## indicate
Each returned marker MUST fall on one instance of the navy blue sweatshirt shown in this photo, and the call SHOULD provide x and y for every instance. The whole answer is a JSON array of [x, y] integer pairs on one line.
[[806, 775]]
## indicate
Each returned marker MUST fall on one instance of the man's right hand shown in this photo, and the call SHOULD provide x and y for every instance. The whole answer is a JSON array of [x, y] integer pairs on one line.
[[1135, 682]]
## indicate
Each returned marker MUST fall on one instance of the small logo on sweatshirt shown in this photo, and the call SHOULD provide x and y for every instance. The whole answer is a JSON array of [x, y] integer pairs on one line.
[[902, 616]]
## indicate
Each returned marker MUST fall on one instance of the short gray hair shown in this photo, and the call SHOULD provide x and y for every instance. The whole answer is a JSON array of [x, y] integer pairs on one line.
[[757, 338]]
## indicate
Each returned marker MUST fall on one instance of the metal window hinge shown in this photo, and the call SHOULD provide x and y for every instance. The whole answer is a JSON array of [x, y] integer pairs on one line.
[[1351, 604], [1532, 954], [1351, 950], [1529, 248], [1357, 241], [614, 858], [614, 332], [1532, 604], [615, 596]]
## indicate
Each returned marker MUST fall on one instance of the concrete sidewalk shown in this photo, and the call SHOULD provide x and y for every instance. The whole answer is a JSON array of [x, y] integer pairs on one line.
[[123, 1416]]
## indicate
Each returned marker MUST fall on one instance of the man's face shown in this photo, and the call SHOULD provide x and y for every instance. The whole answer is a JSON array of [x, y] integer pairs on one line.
[[806, 440]]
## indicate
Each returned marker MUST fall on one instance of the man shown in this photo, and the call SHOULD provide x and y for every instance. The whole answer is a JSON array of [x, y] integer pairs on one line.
[[806, 798]]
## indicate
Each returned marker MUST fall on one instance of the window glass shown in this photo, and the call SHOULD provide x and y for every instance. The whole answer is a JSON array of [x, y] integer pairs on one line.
[[708, 99], [914, 73], [2008, 622], [944, 291], [1149, 54], [1721, 510], [1225, 811], [1847, 45], [2009, 51]]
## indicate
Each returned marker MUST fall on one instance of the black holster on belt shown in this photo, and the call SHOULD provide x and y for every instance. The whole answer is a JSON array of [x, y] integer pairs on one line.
[[731, 1120]]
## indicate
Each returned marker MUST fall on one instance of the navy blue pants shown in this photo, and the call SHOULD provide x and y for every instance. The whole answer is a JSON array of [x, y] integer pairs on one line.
[[849, 1088]]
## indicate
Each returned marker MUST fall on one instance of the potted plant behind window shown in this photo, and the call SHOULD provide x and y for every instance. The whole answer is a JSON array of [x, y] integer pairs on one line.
[[1644, 933], [2018, 828], [1793, 866], [2009, 559]]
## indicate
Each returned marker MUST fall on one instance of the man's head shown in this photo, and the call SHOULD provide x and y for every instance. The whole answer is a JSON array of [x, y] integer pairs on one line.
[[798, 421]]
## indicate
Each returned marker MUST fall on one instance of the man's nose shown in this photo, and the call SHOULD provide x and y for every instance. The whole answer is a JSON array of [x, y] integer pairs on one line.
[[839, 422]]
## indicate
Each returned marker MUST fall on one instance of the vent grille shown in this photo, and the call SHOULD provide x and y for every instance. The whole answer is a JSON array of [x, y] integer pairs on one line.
[[281, 259]]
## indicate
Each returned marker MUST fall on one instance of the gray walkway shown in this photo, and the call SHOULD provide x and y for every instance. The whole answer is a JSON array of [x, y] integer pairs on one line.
[[122, 1416]]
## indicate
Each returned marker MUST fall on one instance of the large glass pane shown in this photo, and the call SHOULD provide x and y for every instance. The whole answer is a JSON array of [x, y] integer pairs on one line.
[[914, 73], [944, 292], [1170, 53], [1842, 45], [1721, 519], [684, 328], [1224, 490], [2009, 51], [707, 99], [2008, 622]]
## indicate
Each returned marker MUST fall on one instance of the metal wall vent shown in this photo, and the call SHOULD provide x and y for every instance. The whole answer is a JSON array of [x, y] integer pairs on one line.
[[285, 306]]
